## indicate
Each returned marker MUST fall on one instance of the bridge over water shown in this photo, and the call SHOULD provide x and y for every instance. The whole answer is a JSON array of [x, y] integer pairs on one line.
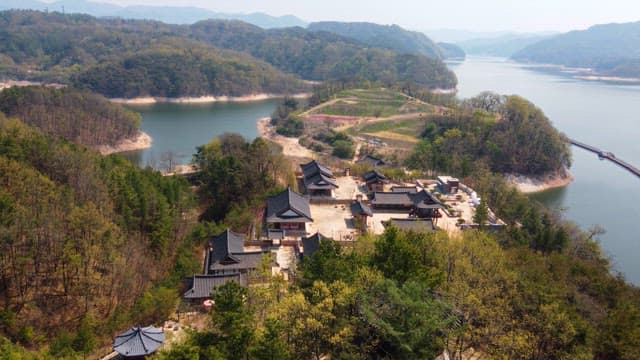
[[606, 155]]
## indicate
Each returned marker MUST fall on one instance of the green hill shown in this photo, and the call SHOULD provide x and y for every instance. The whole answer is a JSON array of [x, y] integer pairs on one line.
[[391, 37], [53, 47], [610, 49], [318, 55]]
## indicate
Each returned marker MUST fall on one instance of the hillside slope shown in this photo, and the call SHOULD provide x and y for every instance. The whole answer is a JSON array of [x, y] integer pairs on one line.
[[612, 49], [53, 47], [391, 37]]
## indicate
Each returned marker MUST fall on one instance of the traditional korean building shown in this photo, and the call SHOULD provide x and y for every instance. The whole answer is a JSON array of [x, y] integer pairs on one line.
[[372, 161], [318, 180], [392, 201], [422, 204], [289, 212], [200, 286], [407, 189], [311, 244], [374, 181], [138, 343], [226, 255], [426, 205], [361, 213]]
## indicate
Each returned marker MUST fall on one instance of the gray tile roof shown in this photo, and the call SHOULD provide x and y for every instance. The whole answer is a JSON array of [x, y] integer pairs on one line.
[[392, 199], [360, 208], [288, 206], [226, 252], [407, 189], [374, 177], [311, 244], [424, 199], [313, 167], [372, 161], [317, 177], [410, 224], [201, 286], [138, 341], [238, 262]]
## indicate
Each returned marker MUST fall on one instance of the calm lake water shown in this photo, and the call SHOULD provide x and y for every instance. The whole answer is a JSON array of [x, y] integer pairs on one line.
[[178, 128], [600, 114]]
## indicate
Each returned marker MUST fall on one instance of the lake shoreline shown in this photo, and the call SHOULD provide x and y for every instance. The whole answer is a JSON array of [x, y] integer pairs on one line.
[[533, 185], [204, 99], [140, 142], [290, 146]]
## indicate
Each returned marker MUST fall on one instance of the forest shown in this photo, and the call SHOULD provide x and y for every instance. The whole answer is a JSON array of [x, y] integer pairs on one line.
[[503, 134], [82, 50], [88, 244], [78, 116]]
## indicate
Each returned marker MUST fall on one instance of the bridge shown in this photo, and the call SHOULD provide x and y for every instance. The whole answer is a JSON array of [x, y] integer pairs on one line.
[[606, 155]]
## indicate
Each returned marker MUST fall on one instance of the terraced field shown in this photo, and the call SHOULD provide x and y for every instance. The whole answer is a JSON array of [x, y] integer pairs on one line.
[[377, 103]]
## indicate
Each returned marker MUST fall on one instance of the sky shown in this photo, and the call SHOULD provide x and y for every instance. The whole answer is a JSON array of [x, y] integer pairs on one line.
[[474, 15]]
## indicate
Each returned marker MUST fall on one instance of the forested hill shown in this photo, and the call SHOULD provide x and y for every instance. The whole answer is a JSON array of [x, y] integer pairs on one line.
[[56, 47], [391, 37], [81, 117], [68, 49], [451, 51], [180, 68], [85, 239], [324, 56], [611, 49]]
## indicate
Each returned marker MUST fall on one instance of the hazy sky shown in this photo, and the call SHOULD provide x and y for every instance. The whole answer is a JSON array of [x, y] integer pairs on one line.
[[477, 15]]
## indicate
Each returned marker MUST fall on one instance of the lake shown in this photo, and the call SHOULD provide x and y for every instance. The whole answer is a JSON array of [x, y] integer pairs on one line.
[[177, 129], [600, 114]]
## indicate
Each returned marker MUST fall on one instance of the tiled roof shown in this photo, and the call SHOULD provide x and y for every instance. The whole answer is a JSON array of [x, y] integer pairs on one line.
[[201, 286], [288, 206], [238, 262], [360, 208], [313, 167], [318, 177], [311, 244], [374, 176], [226, 252], [372, 161], [407, 189], [392, 198], [424, 198], [138, 341]]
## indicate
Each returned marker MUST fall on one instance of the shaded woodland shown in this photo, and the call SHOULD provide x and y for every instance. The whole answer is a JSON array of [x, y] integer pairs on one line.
[[83, 238], [78, 116]]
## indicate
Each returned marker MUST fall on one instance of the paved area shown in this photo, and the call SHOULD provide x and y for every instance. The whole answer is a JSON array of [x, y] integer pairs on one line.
[[349, 188], [334, 221]]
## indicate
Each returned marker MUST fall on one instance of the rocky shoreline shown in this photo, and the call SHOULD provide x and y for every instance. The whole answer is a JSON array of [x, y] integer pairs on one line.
[[140, 142], [530, 185], [203, 99]]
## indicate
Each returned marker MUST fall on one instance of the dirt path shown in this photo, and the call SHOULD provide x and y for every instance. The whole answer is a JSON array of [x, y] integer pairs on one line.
[[290, 146]]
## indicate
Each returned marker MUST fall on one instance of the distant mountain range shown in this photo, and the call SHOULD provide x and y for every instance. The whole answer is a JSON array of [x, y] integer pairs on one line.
[[391, 37], [166, 14], [610, 49], [503, 45]]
